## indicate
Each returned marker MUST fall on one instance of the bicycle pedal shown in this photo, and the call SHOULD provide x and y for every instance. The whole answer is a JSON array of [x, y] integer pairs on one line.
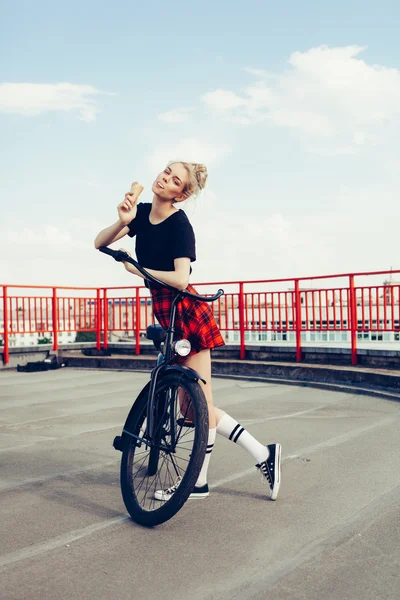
[[117, 443], [185, 422]]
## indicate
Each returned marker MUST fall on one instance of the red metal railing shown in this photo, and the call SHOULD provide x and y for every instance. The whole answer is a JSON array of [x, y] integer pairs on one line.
[[287, 314]]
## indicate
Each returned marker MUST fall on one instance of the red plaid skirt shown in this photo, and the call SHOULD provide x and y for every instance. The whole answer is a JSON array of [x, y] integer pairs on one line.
[[194, 319]]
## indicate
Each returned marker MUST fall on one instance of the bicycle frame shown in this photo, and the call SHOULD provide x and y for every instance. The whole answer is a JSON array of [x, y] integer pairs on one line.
[[165, 365], [168, 356]]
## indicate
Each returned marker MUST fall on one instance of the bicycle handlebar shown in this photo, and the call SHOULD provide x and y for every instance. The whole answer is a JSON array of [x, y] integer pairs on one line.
[[121, 256]]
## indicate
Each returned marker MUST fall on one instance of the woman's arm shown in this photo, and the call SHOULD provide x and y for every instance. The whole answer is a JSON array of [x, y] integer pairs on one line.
[[111, 234], [179, 278], [127, 211]]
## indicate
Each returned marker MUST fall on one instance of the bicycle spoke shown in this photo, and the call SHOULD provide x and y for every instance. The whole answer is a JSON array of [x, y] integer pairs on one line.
[[162, 486]]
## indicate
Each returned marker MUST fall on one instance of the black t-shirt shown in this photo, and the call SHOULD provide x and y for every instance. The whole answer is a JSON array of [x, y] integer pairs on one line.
[[157, 246]]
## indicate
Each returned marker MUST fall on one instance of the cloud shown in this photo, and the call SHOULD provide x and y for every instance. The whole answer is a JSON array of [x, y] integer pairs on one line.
[[232, 247], [257, 72], [272, 243], [51, 255], [328, 94], [176, 115], [222, 100], [189, 150], [32, 99], [49, 235], [268, 243]]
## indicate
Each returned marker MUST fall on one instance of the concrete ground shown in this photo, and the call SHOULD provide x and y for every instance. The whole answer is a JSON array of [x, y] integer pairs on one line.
[[334, 531]]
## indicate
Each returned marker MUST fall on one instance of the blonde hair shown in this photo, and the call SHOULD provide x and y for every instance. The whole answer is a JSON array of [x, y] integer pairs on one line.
[[197, 177]]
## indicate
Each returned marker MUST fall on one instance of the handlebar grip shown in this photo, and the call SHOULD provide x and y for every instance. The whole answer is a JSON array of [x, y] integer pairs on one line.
[[118, 255], [106, 250], [206, 298]]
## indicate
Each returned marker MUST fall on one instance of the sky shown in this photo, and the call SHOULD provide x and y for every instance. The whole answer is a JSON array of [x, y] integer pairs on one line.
[[294, 107]]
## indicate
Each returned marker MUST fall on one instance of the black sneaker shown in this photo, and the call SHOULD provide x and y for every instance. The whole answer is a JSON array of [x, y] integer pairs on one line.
[[271, 469], [165, 495], [198, 492]]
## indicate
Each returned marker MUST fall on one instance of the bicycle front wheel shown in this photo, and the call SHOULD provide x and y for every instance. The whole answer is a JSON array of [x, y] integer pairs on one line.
[[173, 457]]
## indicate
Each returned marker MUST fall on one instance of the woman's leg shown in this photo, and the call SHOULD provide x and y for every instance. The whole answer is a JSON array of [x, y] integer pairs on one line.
[[268, 457], [233, 431], [224, 424], [201, 362]]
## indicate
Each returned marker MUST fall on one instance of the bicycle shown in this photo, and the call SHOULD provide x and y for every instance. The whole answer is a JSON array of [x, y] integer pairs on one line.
[[165, 435]]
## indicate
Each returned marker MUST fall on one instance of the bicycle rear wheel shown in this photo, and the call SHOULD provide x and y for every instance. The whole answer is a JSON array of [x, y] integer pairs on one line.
[[176, 452]]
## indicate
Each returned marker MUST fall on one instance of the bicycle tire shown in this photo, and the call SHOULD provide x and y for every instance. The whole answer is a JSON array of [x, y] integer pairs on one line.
[[136, 490]]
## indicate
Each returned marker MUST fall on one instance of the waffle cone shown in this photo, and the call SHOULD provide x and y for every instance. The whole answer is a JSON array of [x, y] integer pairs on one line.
[[136, 189]]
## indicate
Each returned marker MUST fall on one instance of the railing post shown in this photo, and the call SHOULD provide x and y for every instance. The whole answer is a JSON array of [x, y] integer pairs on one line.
[[55, 320], [98, 320], [353, 321], [105, 309], [6, 355], [297, 301], [137, 322], [241, 323]]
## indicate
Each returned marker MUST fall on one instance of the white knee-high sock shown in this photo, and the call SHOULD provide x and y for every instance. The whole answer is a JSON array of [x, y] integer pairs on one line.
[[202, 480], [232, 430]]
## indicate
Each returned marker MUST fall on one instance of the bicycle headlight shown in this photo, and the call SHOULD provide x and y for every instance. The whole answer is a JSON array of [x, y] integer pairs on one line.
[[182, 347]]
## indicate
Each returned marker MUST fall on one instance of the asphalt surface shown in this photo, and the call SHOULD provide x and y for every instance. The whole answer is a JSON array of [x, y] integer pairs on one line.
[[334, 531]]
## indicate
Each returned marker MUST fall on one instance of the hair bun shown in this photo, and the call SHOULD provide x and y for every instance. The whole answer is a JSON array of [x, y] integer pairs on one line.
[[201, 174], [197, 177]]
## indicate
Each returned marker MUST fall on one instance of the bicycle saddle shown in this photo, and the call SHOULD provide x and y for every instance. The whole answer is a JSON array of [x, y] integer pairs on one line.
[[156, 333]]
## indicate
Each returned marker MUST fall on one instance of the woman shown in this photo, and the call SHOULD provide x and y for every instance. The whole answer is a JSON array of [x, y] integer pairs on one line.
[[165, 247]]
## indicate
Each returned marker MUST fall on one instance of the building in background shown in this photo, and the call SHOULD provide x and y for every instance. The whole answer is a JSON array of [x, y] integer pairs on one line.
[[25, 332]]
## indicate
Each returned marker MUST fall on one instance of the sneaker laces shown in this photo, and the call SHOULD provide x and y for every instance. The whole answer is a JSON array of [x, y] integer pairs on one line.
[[265, 474], [173, 489]]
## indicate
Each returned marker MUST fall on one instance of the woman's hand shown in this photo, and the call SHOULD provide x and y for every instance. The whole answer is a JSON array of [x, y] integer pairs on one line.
[[127, 209], [127, 265]]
